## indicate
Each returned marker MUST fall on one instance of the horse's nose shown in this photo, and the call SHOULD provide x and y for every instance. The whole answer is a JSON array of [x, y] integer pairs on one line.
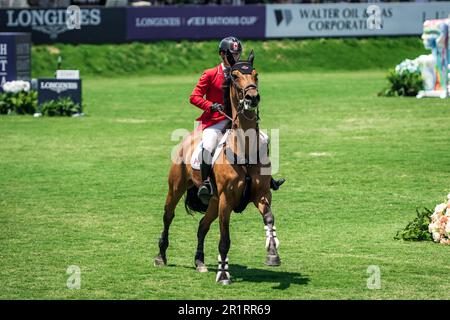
[[254, 98]]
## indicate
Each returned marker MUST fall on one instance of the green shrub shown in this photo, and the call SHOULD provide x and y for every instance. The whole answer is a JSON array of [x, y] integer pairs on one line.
[[403, 84], [61, 107], [18, 103], [417, 229], [192, 57]]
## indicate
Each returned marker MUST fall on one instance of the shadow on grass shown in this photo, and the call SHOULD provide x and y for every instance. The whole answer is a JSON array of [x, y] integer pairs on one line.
[[240, 273]]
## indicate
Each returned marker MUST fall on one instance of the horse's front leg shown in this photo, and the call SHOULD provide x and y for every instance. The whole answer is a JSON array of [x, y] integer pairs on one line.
[[223, 275], [272, 243]]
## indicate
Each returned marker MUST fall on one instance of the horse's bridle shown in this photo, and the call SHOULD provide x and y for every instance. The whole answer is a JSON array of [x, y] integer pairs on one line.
[[243, 104]]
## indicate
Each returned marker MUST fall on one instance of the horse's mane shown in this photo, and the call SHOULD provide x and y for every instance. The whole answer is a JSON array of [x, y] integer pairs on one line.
[[226, 86]]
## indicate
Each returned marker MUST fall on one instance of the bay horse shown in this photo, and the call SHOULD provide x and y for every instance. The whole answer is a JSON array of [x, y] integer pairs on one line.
[[230, 179]]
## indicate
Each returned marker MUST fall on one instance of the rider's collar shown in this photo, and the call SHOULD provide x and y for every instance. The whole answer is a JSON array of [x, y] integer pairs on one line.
[[224, 68]]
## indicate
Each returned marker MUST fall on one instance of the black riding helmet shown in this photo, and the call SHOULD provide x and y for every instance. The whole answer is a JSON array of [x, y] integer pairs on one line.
[[230, 43]]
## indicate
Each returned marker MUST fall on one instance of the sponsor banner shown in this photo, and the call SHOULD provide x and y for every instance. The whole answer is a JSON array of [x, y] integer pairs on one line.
[[15, 57], [53, 89], [88, 2], [195, 22], [7, 59], [98, 25], [347, 19]]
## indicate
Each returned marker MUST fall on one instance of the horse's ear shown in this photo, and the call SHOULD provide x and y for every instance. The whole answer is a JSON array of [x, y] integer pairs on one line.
[[251, 57], [230, 58]]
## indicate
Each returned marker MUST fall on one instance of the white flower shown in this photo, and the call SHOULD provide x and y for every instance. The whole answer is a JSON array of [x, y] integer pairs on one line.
[[440, 207], [432, 227], [26, 86], [436, 236], [436, 218], [410, 66], [448, 197], [16, 86]]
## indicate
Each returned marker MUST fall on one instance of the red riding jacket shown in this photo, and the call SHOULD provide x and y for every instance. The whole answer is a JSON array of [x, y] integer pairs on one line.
[[208, 91]]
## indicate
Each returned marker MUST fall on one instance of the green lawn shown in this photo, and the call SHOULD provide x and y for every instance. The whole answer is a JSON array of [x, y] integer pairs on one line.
[[90, 192]]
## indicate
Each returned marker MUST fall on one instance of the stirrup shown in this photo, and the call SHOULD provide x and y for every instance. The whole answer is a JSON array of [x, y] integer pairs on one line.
[[205, 192]]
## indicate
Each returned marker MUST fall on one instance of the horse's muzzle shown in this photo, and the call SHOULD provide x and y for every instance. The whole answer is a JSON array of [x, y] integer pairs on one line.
[[251, 101]]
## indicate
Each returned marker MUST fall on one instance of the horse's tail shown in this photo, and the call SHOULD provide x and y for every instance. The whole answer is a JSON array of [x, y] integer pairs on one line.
[[187, 206]]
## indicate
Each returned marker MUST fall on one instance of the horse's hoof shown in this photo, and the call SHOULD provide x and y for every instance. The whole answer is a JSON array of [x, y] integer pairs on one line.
[[273, 261], [225, 282], [160, 261], [201, 267], [223, 278]]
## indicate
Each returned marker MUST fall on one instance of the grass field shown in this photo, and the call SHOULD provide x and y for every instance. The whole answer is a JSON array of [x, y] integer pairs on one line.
[[90, 192]]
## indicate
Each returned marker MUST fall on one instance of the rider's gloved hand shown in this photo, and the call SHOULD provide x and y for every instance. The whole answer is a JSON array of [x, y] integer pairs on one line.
[[216, 107]]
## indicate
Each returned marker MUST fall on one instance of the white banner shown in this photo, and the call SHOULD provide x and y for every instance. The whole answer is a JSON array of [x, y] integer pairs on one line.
[[351, 19]]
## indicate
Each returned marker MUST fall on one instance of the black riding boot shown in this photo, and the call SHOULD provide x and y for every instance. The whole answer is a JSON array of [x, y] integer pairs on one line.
[[205, 192], [276, 184]]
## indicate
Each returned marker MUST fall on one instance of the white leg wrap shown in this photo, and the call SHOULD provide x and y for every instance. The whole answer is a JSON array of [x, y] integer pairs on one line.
[[223, 268], [218, 275], [271, 233], [219, 259]]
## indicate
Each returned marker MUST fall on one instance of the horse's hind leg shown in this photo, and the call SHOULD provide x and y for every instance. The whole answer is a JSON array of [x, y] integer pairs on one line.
[[263, 204], [223, 275], [203, 228], [177, 187]]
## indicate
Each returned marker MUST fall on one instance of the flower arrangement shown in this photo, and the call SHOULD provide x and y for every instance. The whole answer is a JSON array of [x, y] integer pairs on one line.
[[17, 98], [404, 80], [440, 223], [429, 225]]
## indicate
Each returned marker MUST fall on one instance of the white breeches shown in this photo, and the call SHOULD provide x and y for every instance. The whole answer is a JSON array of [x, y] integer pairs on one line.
[[212, 135]]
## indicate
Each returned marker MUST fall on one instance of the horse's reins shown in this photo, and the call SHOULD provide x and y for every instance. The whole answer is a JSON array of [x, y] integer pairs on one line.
[[224, 114]]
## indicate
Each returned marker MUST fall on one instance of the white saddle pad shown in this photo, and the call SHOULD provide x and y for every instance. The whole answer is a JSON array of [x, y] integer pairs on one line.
[[197, 155]]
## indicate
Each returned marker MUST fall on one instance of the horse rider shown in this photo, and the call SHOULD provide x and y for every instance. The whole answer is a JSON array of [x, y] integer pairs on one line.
[[208, 95]]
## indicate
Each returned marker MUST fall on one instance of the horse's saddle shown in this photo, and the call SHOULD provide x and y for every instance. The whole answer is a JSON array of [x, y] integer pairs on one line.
[[197, 154]]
